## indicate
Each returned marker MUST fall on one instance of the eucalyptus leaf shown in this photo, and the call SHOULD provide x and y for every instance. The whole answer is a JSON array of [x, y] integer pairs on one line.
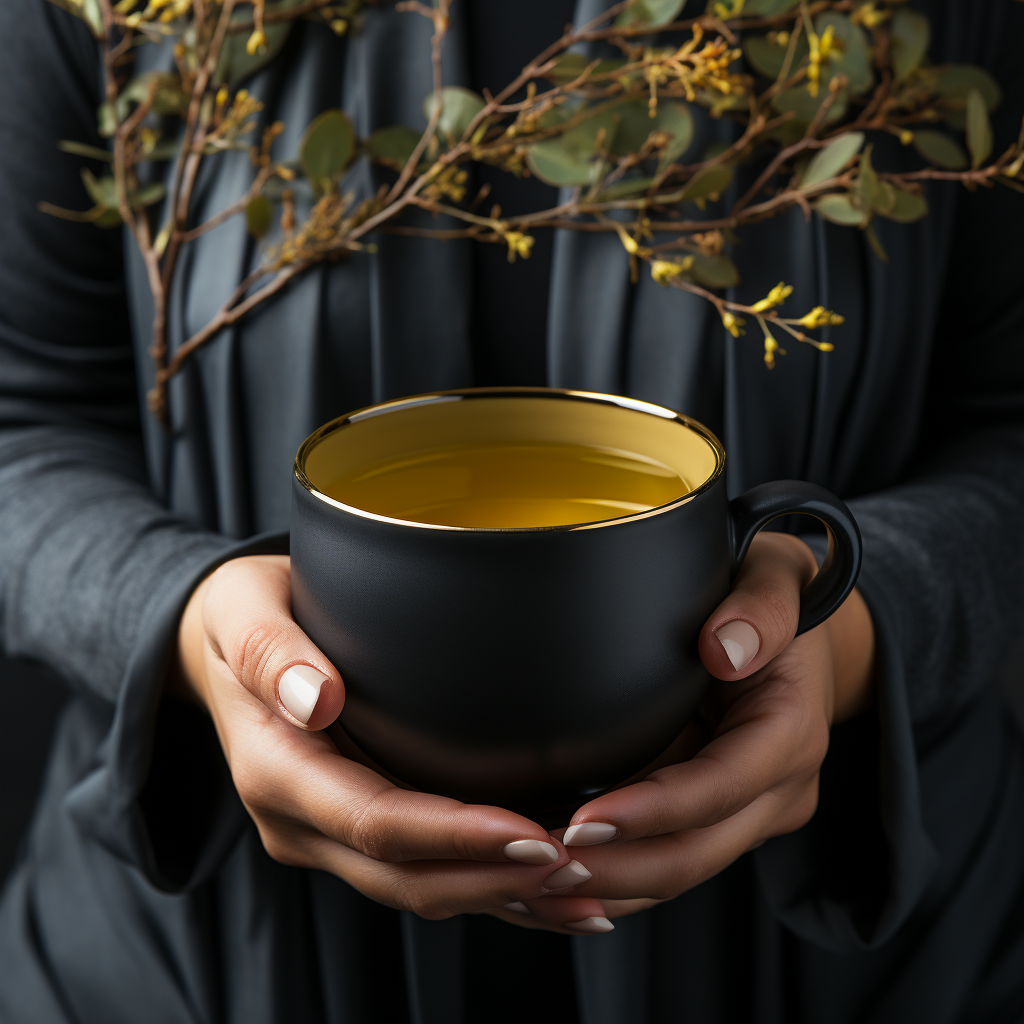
[[92, 15], [147, 195], [326, 147], [105, 120], [875, 244], [392, 146], [108, 219], [102, 191], [259, 215], [236, 64], [828, 162], [769, 7], [568, 160], [768, 58], [979, 129], [650, 12], [939, 149], [909, 39], [570, 66], [839, 209], [867, 182], [715, 271], [81, 149], [168, 95], [884, 199], [622, 189], [708, 184], [636, 124], [804, 106], [458, 107], [853, 59], [907, 207], [957, 80]]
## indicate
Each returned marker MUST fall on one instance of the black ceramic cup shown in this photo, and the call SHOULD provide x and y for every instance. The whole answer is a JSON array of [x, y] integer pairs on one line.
[[530, 667]]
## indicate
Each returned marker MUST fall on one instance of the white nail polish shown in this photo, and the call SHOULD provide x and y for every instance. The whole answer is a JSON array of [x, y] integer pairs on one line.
[[592, 926], [531, 851], [517, 908], [740, 641], [299, 689], [571, 874], [590, 833]]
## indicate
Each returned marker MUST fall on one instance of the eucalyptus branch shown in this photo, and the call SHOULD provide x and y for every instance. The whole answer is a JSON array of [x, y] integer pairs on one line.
[[615, 132]]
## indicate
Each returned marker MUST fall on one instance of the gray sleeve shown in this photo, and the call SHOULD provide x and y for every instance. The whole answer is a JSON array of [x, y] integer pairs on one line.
[[86, 550]]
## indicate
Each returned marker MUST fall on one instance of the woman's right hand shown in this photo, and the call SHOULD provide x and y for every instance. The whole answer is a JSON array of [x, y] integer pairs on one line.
[[239, 649]]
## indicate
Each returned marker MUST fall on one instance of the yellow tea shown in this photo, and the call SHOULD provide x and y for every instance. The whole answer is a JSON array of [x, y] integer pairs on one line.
[[509, 484]]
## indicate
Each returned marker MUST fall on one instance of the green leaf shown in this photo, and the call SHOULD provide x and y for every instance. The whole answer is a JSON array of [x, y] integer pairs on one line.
[[636, 124], [715, 271], [907, 207], [326, 147], [875, 244], [804, 106], [568, 159], [939, 149], [854, 57], [259, 215], [839, 209], [236, 64], [147, 195], [828, 162], [621, 189], [957, 80], [708, 184], [108, 219], [867, 182], [81, 149], [910, 36], [884, 199], [458, 107], [570, 66], [168, 96], [392, 146], [106, 121], [650, 12], [102, 191], [769, 7], [768, 58], [979, 129]]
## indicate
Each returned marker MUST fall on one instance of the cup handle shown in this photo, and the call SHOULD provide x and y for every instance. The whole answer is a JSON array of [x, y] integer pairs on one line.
[[837, 576]]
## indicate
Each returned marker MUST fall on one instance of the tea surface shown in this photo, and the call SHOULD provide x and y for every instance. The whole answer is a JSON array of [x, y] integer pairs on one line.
[[510, 485]]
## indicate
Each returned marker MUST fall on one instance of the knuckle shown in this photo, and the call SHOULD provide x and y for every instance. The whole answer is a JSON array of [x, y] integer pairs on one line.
[[251, 646], [366, 830], [409, 893]]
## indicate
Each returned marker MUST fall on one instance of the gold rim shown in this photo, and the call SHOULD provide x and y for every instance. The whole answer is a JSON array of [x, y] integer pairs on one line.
[[464, 394]]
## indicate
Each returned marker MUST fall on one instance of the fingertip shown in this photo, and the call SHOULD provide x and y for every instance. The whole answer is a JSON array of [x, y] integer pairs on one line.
[[311, 697], [740, 641]]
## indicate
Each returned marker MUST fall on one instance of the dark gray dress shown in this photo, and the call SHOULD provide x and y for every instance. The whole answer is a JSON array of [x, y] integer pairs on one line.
[[145, 893]]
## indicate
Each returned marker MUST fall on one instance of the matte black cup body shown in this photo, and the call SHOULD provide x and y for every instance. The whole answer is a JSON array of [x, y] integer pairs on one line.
[[532, 668]]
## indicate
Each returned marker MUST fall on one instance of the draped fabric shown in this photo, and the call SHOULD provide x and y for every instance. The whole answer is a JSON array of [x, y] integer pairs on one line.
[[145, 893]]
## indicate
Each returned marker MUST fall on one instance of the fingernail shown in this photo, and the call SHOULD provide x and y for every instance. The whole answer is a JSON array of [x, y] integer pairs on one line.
[[571, 874], [299, 689], [517, 908], [592, 926], [531, 851], [740, 641], [590, 833]]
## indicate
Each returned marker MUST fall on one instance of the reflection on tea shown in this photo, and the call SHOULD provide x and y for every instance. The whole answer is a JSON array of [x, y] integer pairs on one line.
[[503, 485]]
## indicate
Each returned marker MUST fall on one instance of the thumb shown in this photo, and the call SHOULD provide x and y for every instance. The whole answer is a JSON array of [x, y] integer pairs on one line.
[[248, 619], [758, 620]]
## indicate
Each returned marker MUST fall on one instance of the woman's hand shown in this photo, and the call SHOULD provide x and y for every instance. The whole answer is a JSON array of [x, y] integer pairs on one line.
[[268, 690], [757, 776]]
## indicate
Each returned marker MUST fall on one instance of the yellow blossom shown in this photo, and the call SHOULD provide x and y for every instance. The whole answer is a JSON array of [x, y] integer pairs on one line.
[[771, 346], [821, 317], [906, 136], [775, 297], [629, 243], [868, 16], [519, 244], [664, 271], [257, 41], [821, 47], [339, 26], [732, 323]]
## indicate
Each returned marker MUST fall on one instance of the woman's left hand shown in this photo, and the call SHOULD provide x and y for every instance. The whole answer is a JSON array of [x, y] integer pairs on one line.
[[757, 777]]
